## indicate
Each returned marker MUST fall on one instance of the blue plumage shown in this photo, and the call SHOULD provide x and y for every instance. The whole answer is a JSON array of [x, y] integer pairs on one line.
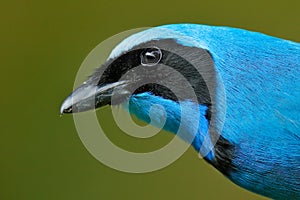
[[173, 117], [261, 78], [261, 75]]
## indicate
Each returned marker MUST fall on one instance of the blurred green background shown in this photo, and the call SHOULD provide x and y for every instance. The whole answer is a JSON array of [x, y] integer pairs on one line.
[[42, 44]]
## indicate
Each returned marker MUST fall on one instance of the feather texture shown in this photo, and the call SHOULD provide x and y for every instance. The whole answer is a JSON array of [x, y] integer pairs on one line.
[[244, 116], [261, 75]]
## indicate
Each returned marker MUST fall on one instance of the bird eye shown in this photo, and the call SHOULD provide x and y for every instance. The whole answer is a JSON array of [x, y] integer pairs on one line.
[[151, 56]]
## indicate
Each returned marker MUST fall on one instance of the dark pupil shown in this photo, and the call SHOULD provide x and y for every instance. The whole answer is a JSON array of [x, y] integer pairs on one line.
[[151, 56]]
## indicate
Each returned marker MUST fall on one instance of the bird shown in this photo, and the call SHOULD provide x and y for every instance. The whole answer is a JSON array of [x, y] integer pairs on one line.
[[241, 86]]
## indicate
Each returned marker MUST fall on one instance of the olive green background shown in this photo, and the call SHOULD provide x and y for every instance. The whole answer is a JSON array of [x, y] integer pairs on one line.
[[42, 44]]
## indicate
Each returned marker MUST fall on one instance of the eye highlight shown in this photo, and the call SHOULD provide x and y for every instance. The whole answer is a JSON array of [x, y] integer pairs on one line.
[[151, 56]]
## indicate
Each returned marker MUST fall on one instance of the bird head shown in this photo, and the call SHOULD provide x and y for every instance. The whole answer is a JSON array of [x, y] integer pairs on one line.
[[180, 67], [156, 66]]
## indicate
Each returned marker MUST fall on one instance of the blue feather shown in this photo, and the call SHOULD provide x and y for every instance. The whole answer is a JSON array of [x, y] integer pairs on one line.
[[175, 118], [261, 75]]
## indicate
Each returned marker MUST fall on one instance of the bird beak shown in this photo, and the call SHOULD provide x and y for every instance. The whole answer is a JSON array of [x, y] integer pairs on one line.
[[88, 97]]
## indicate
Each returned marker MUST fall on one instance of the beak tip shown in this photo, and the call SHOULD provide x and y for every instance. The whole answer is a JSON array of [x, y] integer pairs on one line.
[[66, 107], [61, 111]]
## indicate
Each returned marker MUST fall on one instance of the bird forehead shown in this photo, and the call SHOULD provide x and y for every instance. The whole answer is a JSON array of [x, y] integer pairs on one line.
[[152, 34]]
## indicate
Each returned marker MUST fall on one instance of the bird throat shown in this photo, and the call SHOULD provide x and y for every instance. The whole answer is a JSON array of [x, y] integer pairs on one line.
[[184, 119], [191, 125]]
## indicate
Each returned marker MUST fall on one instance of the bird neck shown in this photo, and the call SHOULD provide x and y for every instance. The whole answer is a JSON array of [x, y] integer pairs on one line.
[[185, 119]]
